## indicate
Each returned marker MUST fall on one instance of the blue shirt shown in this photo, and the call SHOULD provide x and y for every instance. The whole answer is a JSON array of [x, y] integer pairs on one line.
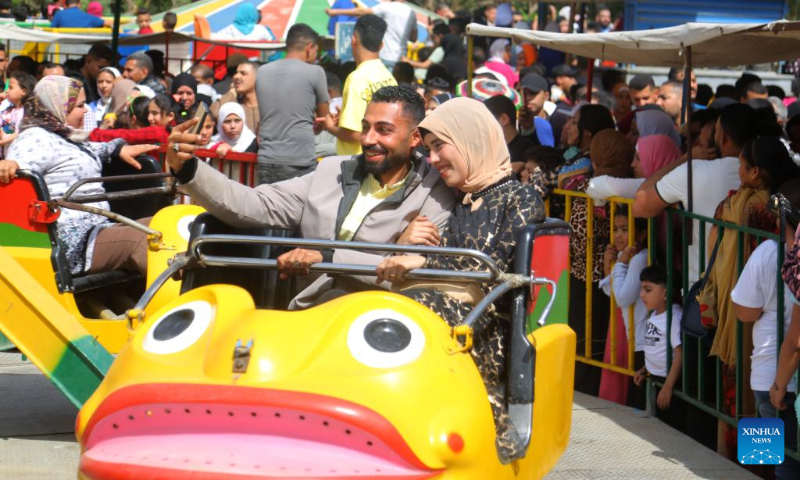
[[74, 17]]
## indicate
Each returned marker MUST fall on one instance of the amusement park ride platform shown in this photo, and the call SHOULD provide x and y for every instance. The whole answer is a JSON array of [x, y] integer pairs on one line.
[[607, 440]]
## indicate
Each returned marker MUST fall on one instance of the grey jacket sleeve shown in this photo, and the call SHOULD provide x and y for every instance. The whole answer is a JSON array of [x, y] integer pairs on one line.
[[437, 207], [279, 205]]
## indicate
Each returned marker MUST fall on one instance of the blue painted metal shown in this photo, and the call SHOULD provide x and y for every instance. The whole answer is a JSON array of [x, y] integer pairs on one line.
[[648, 14]]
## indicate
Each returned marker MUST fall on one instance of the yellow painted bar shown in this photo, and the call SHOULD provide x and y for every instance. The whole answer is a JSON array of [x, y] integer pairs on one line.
[[603, 365], [589, 272], [32, 319]]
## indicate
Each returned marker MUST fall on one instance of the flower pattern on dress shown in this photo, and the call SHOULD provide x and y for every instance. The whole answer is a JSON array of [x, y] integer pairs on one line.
[[62, 163]]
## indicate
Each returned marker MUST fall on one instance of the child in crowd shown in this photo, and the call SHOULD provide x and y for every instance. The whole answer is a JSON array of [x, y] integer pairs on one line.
[[20, 87], [149, 121], [143, 21], [755, 299], [160, 112], [539, 159], [105, 85], [622, 266], [232, 134], [169, 21], [654, 297]]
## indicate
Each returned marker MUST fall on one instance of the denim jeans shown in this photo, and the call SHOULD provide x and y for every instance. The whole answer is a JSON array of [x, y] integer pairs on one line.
[[790, 468]]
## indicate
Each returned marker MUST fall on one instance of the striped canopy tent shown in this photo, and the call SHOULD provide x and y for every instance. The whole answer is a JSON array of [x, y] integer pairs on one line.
[[278, 15]]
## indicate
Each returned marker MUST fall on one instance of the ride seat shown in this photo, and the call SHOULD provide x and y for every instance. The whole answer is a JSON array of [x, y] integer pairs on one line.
[[140, 207], [264, 286], [19, 199]]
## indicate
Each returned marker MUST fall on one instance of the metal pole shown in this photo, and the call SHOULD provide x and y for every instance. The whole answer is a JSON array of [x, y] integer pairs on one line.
[[470, 63], [589, 80], [115, 28], [687, 120], [166, 54]]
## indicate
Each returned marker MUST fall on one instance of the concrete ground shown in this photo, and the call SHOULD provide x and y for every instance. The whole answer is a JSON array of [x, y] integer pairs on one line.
[[608, 441]]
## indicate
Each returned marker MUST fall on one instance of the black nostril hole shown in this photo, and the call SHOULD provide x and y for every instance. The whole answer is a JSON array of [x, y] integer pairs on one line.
[[369, 443], [115, 426], [277, 415], [325, 423], [208, 411], [302, 417], [348, 432], [187, 410], [130, 417], [167, 411], [230, 414], [253, 414]]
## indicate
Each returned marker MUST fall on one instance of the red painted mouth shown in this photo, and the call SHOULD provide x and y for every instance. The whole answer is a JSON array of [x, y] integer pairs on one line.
[[177, 431]]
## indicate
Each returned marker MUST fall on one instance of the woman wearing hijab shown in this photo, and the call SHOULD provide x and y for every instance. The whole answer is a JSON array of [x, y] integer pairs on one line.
[[184, 93], [233, 134], [454, 57], [52, 143], [608, 156], [653, 121], [467, 147], [499, 56], [122, 93], [105, 85], [652, 154], [245, 26]]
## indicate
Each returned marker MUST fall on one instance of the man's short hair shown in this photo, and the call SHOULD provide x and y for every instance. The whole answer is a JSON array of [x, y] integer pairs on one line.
[[413, 103], [610, 78], [299, 36], [726, 90], [654, 274], [676, 85], [370, 30], [253, 64], [743, 81], [333, 81], [72, 2], [142, 11], [478, 56], [403, 72], [776, 91], [2, 47], [755, 87], [441, 29], [705, 116], [142, 60], [204, 71], [170, 19], [500, 104], [26, 64], [673, 73], [740, 122], [642, 81], [5, 4], [102, 52]]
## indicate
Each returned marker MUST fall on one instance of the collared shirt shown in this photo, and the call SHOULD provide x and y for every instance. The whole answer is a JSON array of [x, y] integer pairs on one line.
[[366, 79], [370, 196]]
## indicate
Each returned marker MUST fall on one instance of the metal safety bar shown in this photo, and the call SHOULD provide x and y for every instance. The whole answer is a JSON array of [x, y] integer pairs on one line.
[[118, 178]]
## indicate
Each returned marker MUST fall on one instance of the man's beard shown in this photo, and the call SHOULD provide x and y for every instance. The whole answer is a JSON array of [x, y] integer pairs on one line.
[[391, 160]]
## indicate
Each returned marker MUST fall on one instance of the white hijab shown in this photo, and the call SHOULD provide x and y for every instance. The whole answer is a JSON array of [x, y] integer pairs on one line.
[[247, 136]]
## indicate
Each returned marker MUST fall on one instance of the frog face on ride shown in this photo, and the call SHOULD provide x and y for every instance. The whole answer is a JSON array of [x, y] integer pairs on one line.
[[361, 385]]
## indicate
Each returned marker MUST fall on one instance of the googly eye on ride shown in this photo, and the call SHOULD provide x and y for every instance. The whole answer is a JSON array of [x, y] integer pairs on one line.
[[179, 328], [385, 339]]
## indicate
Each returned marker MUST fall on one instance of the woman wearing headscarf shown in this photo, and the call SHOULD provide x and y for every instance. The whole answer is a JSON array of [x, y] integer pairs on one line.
[[245, 26], [653, 121], [468, 149], [184, 93], [652, 154], [454, 57], [122, 93], [52, 143], [105, 85], [610, 155], [232, 132], [499, 56]]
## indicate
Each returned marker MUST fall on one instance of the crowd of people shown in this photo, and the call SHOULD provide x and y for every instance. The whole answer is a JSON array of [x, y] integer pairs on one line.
[[414, 162]]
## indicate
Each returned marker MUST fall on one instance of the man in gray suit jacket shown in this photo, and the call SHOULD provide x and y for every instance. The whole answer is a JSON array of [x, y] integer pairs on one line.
[[371, 197]]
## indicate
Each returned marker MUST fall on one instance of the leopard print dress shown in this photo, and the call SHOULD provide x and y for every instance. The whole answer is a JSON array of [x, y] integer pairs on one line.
[[490, 228]]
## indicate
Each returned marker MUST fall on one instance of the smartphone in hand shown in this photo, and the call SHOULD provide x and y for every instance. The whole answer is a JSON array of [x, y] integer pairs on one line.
[[201, 113]]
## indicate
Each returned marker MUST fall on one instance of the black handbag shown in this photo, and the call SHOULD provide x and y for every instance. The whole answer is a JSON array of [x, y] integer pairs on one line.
[[691, 320]]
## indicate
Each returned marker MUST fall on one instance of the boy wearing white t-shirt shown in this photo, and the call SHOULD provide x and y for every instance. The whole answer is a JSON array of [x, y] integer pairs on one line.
[[654, 296], [755, 299]]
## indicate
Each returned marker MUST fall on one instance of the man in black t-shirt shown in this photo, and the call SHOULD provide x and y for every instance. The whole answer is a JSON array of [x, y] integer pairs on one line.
[[506, 114]]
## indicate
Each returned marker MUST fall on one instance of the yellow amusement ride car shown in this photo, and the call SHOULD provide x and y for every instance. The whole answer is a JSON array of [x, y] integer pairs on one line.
[[215, 379]]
